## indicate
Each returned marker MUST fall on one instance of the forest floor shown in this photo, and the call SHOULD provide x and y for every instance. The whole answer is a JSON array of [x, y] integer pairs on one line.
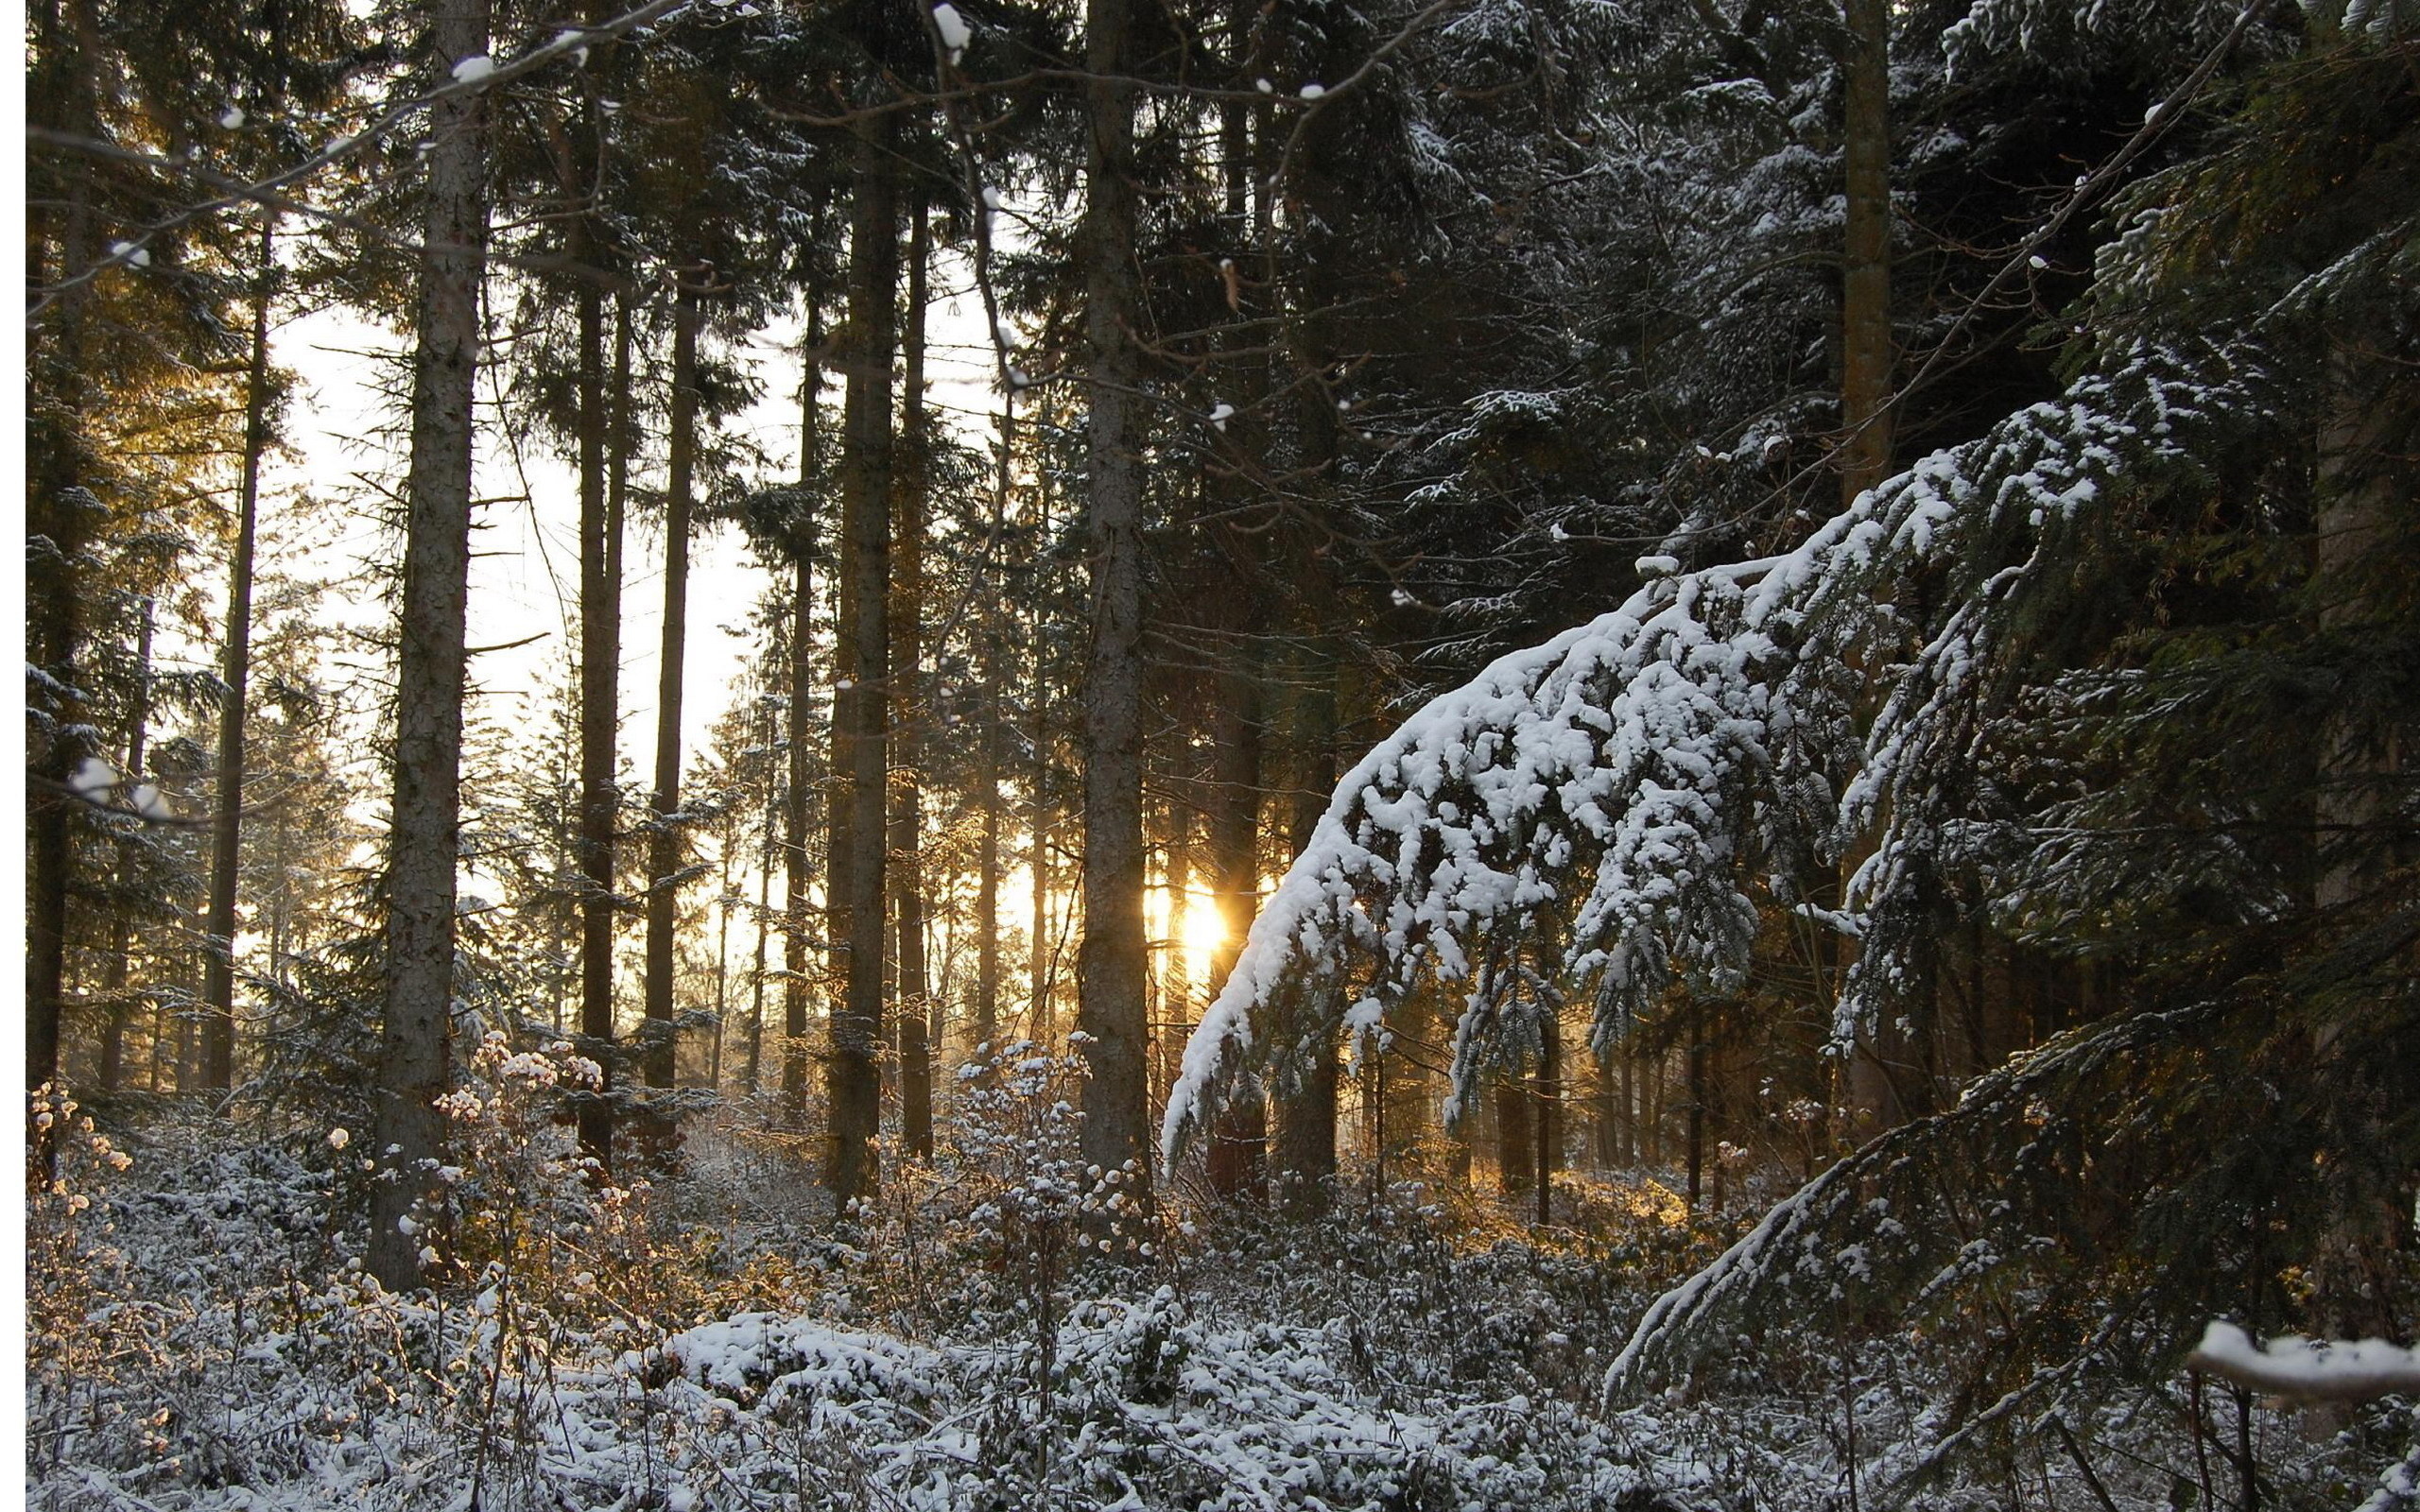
[[202, 1336]]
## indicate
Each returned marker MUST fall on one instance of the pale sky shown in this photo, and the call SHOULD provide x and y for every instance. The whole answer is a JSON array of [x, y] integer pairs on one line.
[[524, 575]]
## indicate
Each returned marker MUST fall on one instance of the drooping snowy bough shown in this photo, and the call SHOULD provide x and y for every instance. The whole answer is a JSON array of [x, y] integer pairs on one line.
[[1594, 812]]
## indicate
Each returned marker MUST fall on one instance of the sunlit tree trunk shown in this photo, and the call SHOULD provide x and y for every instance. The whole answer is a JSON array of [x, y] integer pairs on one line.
[[1238, 1136], [918, 1005], [657, 1058], [235, 670], [797, 952], [408, 1130], [986, 877], [120, 1006], [600, 656]]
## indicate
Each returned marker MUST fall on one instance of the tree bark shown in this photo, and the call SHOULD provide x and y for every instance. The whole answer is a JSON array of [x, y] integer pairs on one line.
[[1238, 1134], [227, 819], [408, 1130], [1306, 1113], [1111, 963], [797, 867], [657, 1058], [1865, 266], [60, 512], [600, 658], [119, 1003], [860, 745], [987, 873], [917, 1006]]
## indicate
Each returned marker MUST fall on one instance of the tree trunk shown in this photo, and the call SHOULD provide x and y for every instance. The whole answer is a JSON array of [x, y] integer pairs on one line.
[[1238, 1133], [408, 1130], [114, 994], [600, 658], [917, 1006], [860, 747], [1865, 266], [657, 1061], [986, 864], [226, 829], [1305, 1114], [61, 516], [1111, 966], [796, 949], [1515, 1137], [1550, 1154], [767, 855]]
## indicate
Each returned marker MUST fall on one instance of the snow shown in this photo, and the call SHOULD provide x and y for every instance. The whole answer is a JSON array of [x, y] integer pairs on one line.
[[955, 33], [1313, 92], [473, 68], [2309, 1370], [232, 117], [1627, 766], [133, 254], [91, 777]]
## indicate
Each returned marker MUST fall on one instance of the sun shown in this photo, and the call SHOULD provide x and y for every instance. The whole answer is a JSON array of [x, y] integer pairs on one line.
[[1204, 931]]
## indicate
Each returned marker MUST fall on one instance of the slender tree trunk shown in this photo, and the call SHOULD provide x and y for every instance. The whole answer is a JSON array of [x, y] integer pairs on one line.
[[1176, 997], [1038, 827], [1865, 269], [765, 858], [1239, 1132], [226, 829], [796, 865], [1515, 1137], [1549, 1112], [1697, 1102], [987, 864], [918, 1005], [408, 1130], [860, 744], [657, 1062], [1305, 1115], [600, 658], [113, 992]]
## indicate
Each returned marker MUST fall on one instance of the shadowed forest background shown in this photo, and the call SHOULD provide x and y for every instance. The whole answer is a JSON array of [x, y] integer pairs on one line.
[[1645, 754]]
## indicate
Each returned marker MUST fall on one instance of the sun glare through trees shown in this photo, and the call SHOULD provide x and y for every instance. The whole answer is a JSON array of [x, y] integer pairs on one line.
[[1132, 755]]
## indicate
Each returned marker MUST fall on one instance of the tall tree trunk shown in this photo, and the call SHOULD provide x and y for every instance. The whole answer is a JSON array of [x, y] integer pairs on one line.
[[657, 1061], [235, 670], [1550, 1154], [860, 747], [114, 994], [767, 855], [600, 668], [409, 1131], [987, 861], [61, 513], [1239, 1132], [1305, 1114], [1865, 266], [917, 1006], [1176, 994], [1111, 964], [1515, 1136], [796, 948]]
